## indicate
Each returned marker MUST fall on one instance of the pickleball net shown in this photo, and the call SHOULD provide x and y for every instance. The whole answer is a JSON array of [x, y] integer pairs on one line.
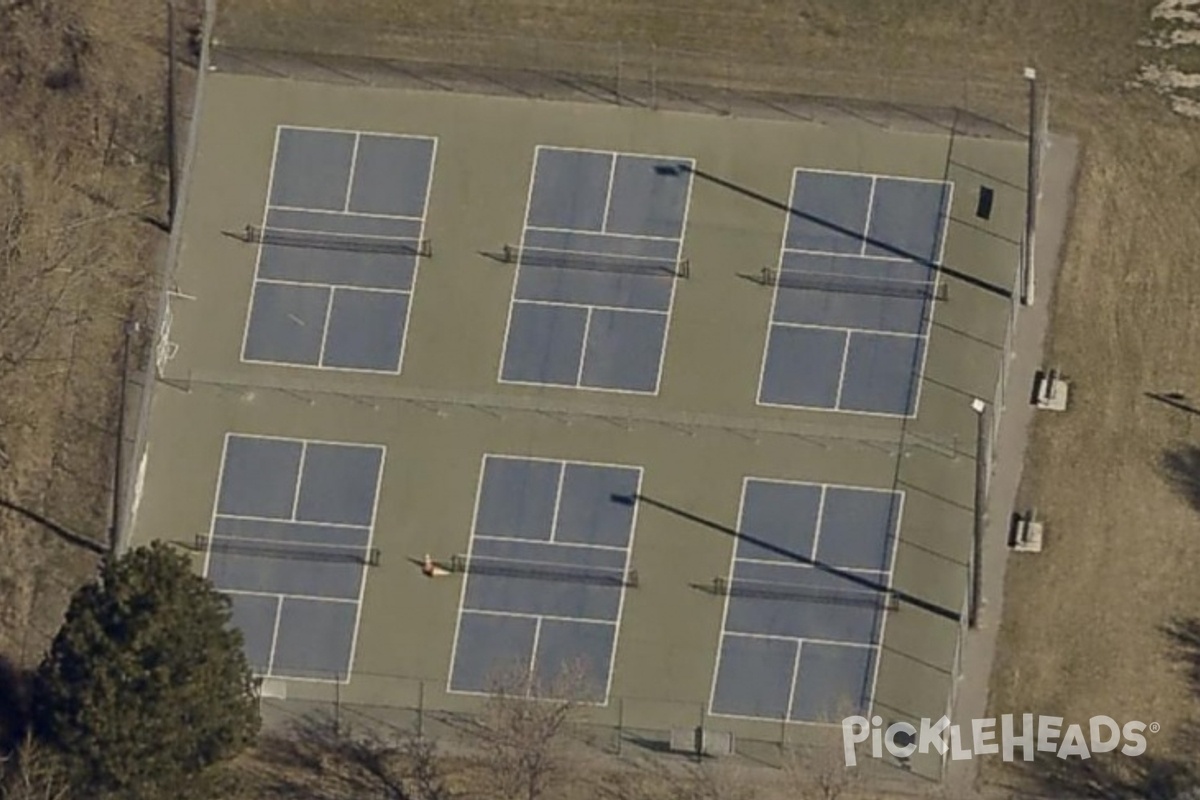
[[768, 590], [544, 571], [324, 240], [265, 548], [596, 262], [853, 284]]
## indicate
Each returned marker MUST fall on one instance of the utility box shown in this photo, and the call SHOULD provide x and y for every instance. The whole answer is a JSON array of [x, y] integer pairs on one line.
[[1050, 391], [1027, 534]]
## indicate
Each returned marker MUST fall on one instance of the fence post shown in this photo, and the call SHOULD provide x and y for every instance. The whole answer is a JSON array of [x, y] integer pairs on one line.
[[1032, 188]]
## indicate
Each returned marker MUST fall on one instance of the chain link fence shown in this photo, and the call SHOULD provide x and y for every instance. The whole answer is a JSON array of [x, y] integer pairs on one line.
[[639, 76]]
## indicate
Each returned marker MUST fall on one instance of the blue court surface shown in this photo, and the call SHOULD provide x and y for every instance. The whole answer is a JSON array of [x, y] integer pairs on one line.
[[854, 293], [290, 545], [806, 601], [596, 270], [338, 249], [546, 575]]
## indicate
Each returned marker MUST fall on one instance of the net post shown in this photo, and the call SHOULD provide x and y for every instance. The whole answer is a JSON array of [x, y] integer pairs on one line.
[[458, 563], [509, 253], [425, 248], [767, 276], [684, 270]]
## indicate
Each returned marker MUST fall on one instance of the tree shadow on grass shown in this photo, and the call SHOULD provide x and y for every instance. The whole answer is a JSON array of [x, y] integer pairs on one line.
[[1181, 466], [15, 684]]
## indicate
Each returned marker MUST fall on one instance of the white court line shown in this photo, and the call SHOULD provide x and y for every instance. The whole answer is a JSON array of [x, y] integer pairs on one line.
[[274, 636], [555, 542], [314, 285], [212, 519], [362, 587], [919, 378], [381, 134], [712, 691], [880, 175], [281, 521], [612, 173], [512, 298], [769, 637], [353, 166], [299, 480], [860, 256], [787, 712], [417, 261], [345, 235], [589, 388], [837, 397], [562, 472], [866, 231], [462, 589], [259, 251], [325, 328], [351, 370], [820, 519], [687, 208], [766, 352], [626, 153], [895, 539], [793, 565], [269, 437], [351, 214], [289, 596], [604, 234], [583, 348], [285, 542], [537, 634], [483, 612], [633, 521], [615, 309]]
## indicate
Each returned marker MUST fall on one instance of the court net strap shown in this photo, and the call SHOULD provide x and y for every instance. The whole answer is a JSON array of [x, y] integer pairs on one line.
[[596, 262], [542, 570], [767, 590], [288, 550], [324, 240], [853, 284]]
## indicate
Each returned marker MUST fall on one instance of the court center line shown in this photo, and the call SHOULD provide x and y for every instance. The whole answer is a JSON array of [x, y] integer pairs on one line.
[[299, 480], [617, 309], [870, 208], [558, 487], [583, 348], [820, 519], [837, 398], [325, 328], [336, 213], [529, 615], [353, 167], [537, 635], [612, 172], [317, 285], [275, 636], [787, 712], [605, 234], [555, 542]]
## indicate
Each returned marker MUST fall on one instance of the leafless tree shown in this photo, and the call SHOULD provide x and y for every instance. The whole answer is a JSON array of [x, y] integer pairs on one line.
[[524, 729], [31, 773]]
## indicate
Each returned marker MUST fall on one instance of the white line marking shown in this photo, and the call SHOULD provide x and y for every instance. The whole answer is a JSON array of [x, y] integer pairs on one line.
[[561, 304], [275, 636], [837, 398], [825, 642], [787, 226], [281, 521], [259, 250], [583, 348], [687, 206], [212, 519], [794, 565], [299, 481], [311, 598], [895, 543], [867, 225], [881, 175], [612, 172], [919, 378], [350, 214], [462, 591], [787, 712], [562, 472], [537, 634], [417, 261], [633, 521], [604, 234], [346, 235], [820, 518], [567, 386], [483, 612], [323, 285], [555, 542], [353, 166], [362, 587], [325, 327], [512, 299], [860, 256], [712, 692]]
